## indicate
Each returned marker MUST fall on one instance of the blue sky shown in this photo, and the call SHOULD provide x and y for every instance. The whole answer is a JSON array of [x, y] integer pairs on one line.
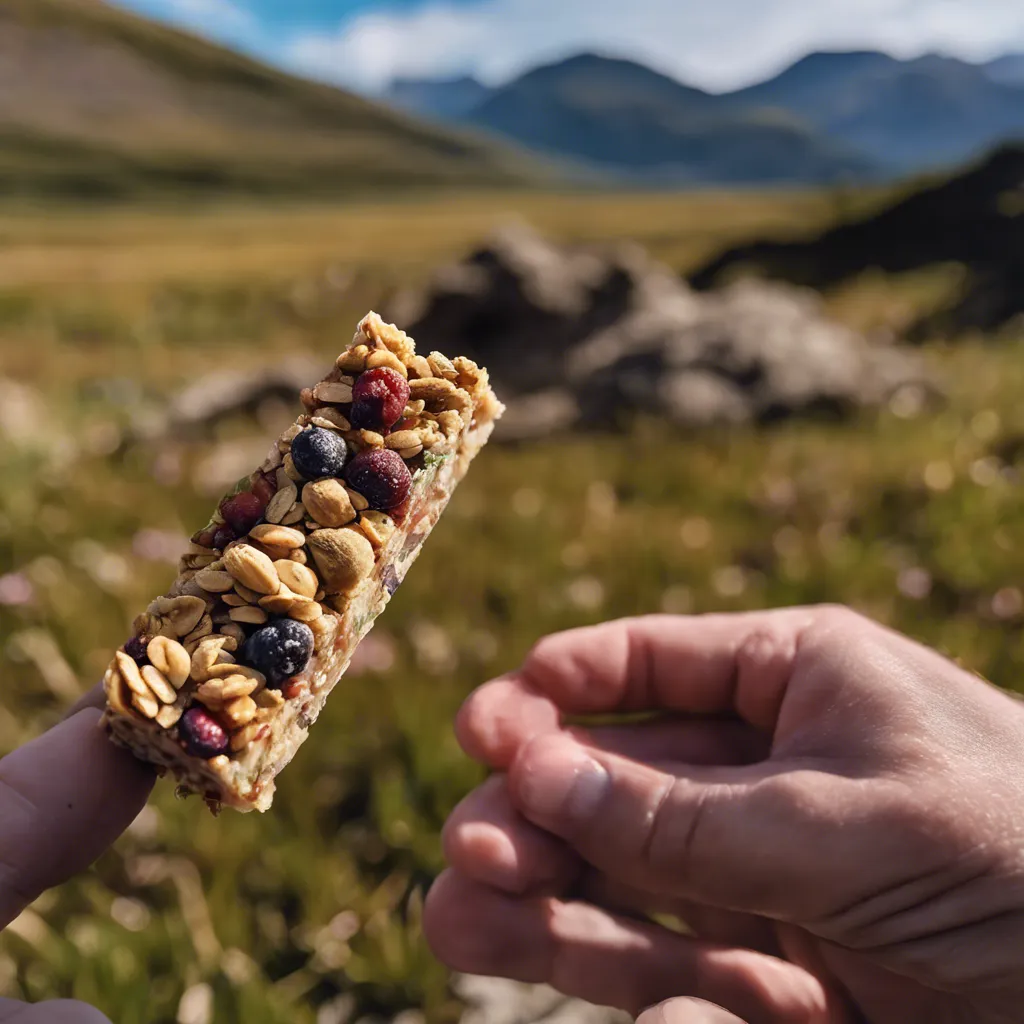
[[718, 45]]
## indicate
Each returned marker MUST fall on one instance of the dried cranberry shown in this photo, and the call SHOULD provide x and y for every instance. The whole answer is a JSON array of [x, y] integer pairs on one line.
[[242, 512], [205, 537], [223, 536], [380, 476], [202, 735], [378, 399], [136, 649], [318, 453]]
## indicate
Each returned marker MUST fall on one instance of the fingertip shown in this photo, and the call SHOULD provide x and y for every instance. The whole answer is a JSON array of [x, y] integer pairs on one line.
[[499, 717], [488, 841]]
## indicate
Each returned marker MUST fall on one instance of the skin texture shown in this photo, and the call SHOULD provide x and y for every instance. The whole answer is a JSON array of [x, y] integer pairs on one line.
[[835, 811], [64, 798]]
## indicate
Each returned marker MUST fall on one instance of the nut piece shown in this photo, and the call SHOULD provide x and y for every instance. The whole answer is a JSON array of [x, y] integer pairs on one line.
[[178, 615], [251, 614], [219, 691], [378, 527], [299, 579], [170, 659], [238, 712], [359, 503], [252, 569], [269, 699], [275, 536], [403, 439], [384, 357], [211, 658], [246, 735], [215, 581], [331, 419], [280, 503], [169, 716], [159, 684], [328, 503], [344, 558], [431, 389], [442, 366], [118, 695], [336, 394]]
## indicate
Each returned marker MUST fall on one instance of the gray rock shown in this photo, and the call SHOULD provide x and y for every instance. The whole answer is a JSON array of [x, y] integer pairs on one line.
[[590, 336]]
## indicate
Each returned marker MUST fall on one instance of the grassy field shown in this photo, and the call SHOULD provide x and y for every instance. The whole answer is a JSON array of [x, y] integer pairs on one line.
[[311, 913]]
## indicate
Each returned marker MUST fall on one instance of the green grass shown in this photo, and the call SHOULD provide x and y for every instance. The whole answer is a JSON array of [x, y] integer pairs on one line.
[[281, 914]]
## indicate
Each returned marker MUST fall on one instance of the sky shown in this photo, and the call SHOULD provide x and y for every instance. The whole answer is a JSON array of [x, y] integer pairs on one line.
[[718, 45]]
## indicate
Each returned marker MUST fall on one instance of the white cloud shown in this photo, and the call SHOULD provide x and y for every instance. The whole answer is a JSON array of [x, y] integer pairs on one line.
[[720, 45]]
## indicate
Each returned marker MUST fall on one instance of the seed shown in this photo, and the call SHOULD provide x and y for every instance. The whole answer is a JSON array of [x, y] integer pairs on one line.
[[210, 657], [282, 602], [328, 502], [247, 595], [205, 628], [234, 601], [331, 419], [344, 558], [431, 389], [354, 359], [411, 453], [215, 581], [250, 614], [336, 394], [299, 579], [233, 632], [281, 503], [252, 569], [294, 516], [289, 468], [159, 684], [306, 611], [269, 698], [178, 615]]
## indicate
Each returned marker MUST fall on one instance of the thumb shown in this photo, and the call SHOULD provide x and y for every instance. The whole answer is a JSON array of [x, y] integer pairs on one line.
[[687, 1011], [755, 838], [64, 798]]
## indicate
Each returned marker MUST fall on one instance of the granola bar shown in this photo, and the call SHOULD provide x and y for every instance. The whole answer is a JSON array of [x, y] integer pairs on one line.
[[224, 675]]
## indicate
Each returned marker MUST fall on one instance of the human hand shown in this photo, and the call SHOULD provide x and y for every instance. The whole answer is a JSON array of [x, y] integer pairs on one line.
[[64, 798], [836, 811]]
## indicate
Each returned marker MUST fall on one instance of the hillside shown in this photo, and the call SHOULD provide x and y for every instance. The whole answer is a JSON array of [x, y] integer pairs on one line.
[[910, 115], [1008, 69], [975, 219], [445, 98], [95, 101], [622, 115]]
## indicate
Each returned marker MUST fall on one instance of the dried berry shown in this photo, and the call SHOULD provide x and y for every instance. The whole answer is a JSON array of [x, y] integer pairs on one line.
[[390, 580], [202, 735], [279, 650], [242, 512], [222, 537], [136, 649], [265, 488], [378, 399], [318, 452], [380, 476]]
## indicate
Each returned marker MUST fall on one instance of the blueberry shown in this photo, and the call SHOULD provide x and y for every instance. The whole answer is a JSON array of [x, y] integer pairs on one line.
[[202, 735], [317, 453], [279, 650]]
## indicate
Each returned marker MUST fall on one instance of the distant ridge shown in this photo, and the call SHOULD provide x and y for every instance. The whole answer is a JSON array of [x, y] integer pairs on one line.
[[95, 101], [830, 116]]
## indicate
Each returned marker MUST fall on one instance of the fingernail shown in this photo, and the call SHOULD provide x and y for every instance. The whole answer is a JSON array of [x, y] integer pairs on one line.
[[558, 781]]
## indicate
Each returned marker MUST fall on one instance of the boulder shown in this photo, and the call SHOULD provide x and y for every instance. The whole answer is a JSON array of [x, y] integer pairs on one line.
[[587, 337]]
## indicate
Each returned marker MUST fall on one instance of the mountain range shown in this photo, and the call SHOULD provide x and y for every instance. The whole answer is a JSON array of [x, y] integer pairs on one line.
[[829, 117], [95, 101]]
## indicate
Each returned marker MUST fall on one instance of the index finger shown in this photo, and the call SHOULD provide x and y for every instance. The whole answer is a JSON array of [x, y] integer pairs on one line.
[[700, 665]]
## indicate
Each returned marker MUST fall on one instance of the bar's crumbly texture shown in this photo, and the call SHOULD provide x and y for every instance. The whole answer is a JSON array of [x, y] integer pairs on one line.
[[310, 549]]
